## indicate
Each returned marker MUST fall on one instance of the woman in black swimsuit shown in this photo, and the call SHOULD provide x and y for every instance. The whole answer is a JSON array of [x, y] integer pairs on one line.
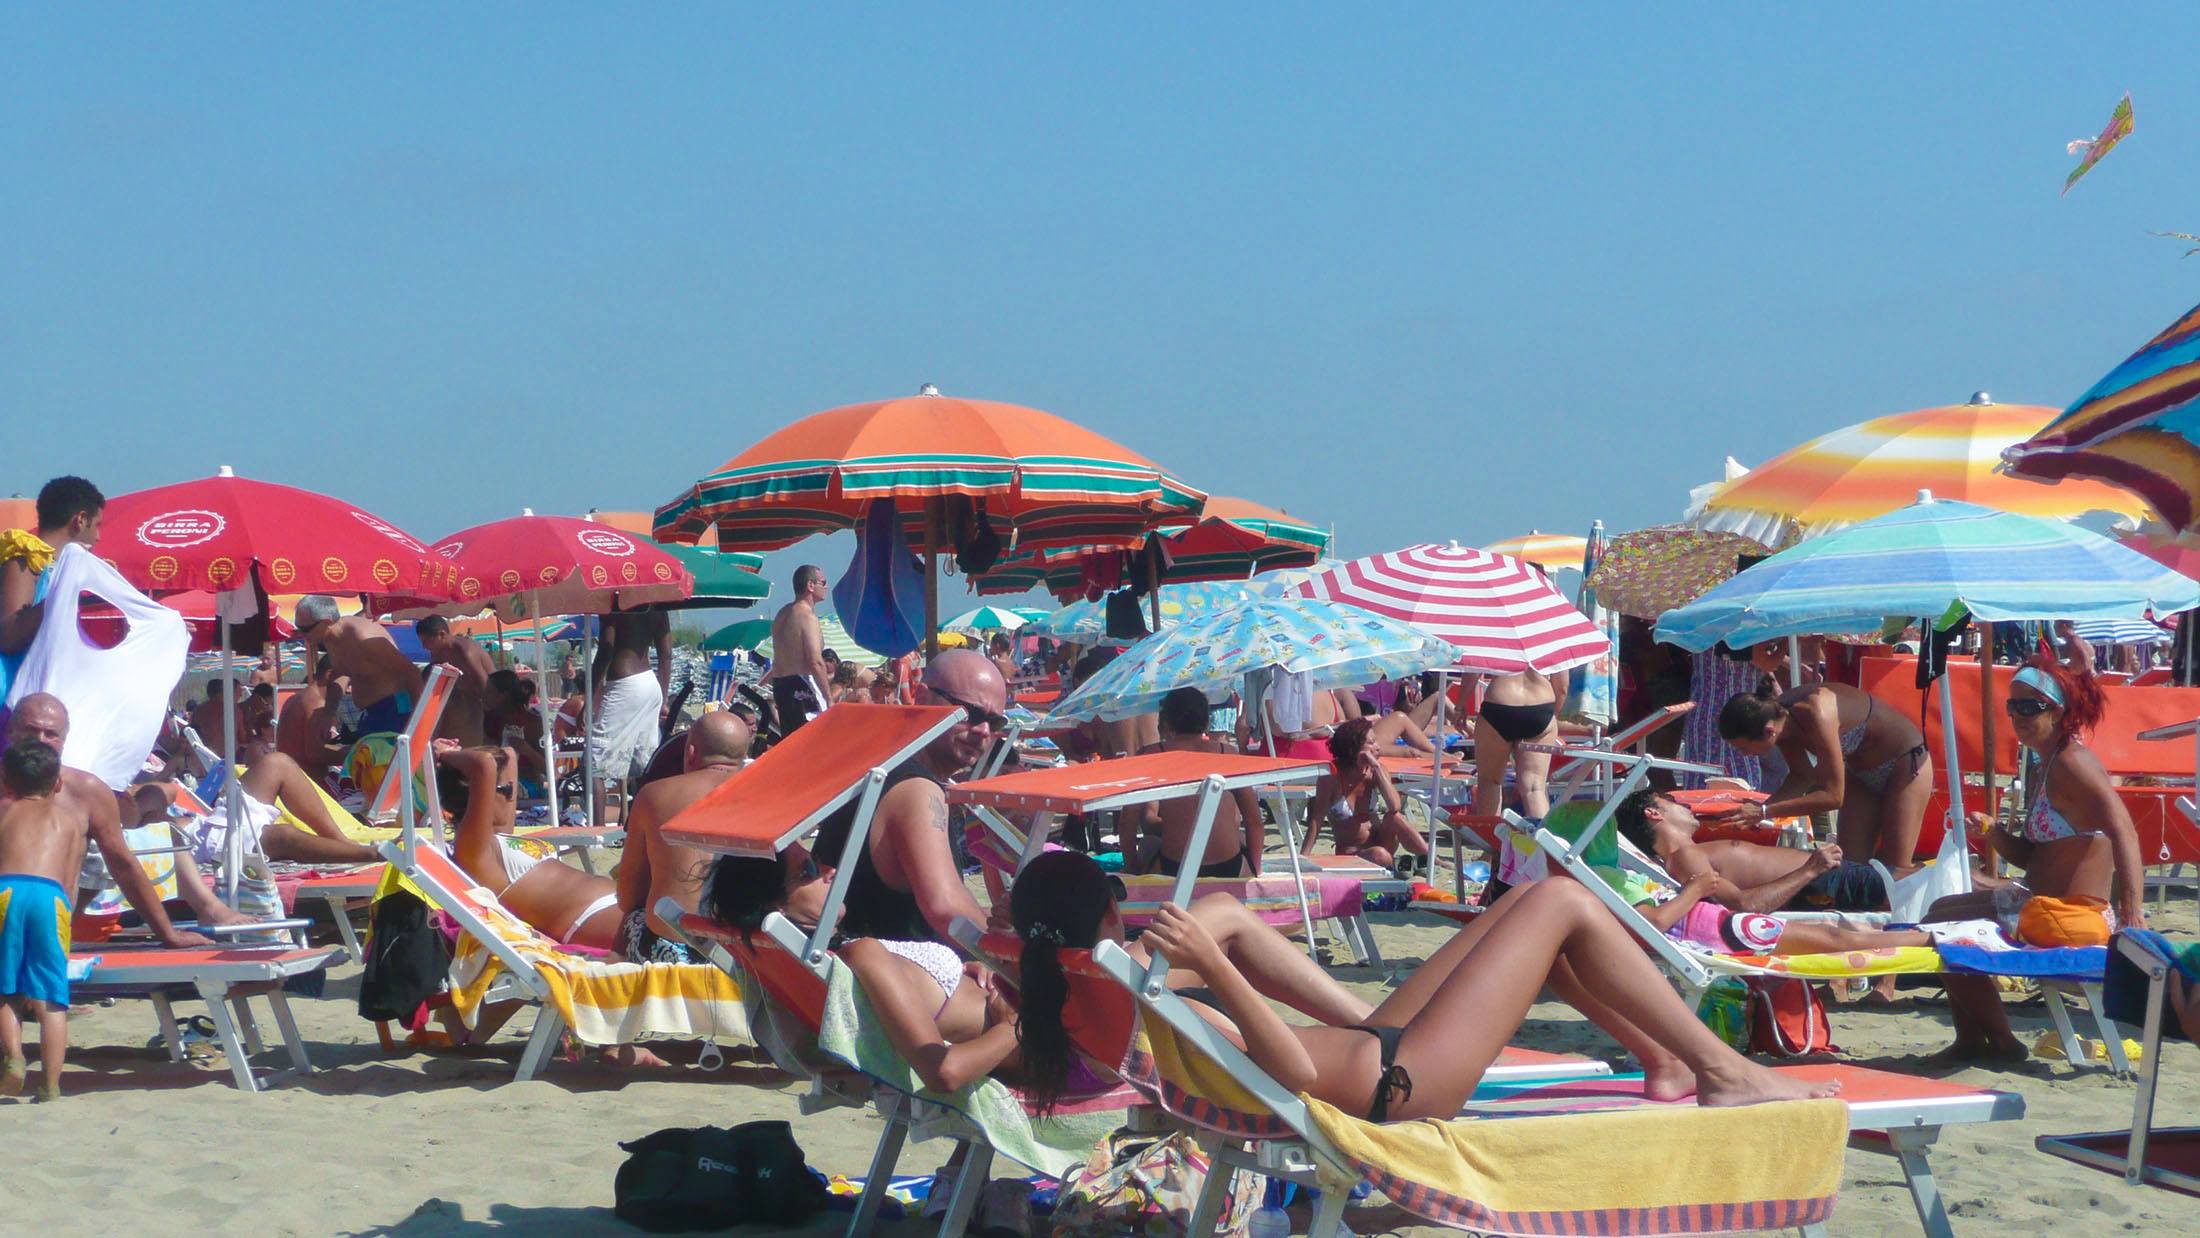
[[1516, 709], [1422, 1052]]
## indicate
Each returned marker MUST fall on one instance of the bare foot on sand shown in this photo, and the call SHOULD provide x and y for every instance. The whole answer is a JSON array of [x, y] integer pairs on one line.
[[1667, 1079], [217, 912], [1746, 1083], [12, 1073], [632, 1056]]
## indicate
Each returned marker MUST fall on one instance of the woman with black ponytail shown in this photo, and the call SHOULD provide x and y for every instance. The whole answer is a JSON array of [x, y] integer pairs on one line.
[[1421, 1053]]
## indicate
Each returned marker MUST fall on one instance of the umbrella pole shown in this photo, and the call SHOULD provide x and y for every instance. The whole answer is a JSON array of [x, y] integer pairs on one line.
[[542, 708], [588, 722], [233, 806], [1795, 662], [1986, 712], [1436, 793], [1955, 771], [1290, 838], [931, 580]]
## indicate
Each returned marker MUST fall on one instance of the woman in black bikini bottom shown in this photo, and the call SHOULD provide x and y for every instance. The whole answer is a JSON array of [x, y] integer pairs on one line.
[[1423, 1051], [1500, 731]]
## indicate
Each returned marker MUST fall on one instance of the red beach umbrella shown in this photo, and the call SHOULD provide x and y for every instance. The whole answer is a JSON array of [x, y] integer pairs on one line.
[[210, 533], [567, 565]]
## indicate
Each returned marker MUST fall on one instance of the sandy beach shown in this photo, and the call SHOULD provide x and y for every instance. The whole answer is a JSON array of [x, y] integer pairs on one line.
[[432, 1145]]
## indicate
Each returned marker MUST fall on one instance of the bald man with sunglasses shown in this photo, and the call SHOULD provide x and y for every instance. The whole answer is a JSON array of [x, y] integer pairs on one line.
[[908, 885]]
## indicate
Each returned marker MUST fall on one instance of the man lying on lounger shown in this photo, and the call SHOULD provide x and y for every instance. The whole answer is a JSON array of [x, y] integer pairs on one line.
[[1747, 876], [272, 784]]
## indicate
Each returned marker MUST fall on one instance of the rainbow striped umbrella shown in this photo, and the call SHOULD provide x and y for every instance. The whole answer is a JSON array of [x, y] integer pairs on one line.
[[1550, 551], [1035, 478], [1878, 466], [1501, 614], [2139, 428]]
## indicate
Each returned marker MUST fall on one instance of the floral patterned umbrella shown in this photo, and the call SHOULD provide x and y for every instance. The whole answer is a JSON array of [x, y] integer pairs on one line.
[[1650, 571], [1086, 623]]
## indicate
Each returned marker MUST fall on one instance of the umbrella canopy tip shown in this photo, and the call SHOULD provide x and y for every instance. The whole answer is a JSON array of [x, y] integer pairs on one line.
[[929, 389], [225, 471], [1982, 397]]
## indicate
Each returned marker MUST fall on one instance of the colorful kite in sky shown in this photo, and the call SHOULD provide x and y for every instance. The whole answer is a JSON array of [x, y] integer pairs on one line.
[[2119, 128]]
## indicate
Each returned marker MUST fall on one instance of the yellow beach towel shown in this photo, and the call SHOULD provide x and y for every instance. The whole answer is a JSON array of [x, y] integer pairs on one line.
[[1891, 961], [604, 1001], [1663, 1170]]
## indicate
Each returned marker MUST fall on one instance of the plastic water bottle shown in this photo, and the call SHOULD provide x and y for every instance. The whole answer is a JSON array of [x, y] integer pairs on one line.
[[1271, 1221], [1477, 871]]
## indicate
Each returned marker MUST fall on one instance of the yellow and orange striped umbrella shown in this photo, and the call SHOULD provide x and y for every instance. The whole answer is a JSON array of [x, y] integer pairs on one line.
[[1877, 466], [1550, 551]]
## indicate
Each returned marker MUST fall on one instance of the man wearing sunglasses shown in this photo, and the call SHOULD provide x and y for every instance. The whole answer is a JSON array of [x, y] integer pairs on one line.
[[908, 885], [384, 682]]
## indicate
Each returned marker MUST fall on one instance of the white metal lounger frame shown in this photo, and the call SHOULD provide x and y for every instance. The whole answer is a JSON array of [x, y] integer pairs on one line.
[[2133, 1164], [903, 1114], [520, 982], [226, 987], [1694, 976]]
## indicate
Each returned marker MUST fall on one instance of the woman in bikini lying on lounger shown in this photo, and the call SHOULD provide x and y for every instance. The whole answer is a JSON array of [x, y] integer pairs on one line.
[[1422, 1052], [2076, 843], [478, 787], [950, 1020]]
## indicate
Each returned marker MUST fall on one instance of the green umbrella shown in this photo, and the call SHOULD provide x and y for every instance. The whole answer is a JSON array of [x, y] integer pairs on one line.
[[746, 634], [726, 579], [836, 638]]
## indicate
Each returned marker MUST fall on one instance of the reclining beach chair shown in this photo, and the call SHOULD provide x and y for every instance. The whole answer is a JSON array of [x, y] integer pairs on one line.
[[2058, 971], [841, 756], [1488, 1176], [225, 979], [2168, 1158]]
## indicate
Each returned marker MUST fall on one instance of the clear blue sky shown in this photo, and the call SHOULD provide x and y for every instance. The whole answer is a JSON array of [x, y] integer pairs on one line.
[[1417, 272]]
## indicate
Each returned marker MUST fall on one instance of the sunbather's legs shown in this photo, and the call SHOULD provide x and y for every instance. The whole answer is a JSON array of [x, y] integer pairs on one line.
[[1394, 833], [196, 894], [53, 1046], [1452, 1040], [1277, 969], [1811, 938], [1884, 824], [275, 778], [12, 1067], [1491, 755], [1532, 776]]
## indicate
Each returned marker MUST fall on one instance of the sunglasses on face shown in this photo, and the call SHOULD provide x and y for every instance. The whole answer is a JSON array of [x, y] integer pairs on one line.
[[2026, 707], [975, 715]]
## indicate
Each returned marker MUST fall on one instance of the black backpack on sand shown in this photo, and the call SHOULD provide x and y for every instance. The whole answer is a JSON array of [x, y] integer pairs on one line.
[[407, 960], [709, 1177]]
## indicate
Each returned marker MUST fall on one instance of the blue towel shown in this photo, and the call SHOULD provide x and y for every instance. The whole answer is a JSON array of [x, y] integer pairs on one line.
[[2036, 962]]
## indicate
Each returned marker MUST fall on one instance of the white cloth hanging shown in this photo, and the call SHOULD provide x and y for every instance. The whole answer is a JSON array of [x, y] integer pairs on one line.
[[117, 698], [1290, 701]]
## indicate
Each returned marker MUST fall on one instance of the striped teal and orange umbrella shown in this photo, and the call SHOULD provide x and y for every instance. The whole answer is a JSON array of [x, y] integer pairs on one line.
[[1878, 466], [1037, 479], [2138, 428]]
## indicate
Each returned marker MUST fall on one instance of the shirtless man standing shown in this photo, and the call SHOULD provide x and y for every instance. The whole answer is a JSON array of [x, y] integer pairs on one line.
[[653, 867], [384, 683], [798, 675], [306, 730], [631, 708], [42, 718], [469, 696]]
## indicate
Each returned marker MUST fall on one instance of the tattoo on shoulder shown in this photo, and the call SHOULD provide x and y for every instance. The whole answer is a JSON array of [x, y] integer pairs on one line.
[[936, 813]]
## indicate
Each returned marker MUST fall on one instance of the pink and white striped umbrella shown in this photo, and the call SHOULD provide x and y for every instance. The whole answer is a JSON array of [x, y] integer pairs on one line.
[[1502, 614]]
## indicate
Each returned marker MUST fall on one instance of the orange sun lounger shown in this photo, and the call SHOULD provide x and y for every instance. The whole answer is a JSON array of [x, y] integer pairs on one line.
[[225, 979]]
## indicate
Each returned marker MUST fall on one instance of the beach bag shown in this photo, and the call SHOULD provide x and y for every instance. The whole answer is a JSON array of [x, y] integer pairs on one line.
[[407, 960], [1725, 1010], [1145, 1184], [709, 1177], [1787, 1018]]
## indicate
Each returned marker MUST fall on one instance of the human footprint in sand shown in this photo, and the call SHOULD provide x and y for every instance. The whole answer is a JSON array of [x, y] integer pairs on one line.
[[1423, 1051]]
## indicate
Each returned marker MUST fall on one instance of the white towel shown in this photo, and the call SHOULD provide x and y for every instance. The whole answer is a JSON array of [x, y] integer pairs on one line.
[[625, 734], [1291, 700]]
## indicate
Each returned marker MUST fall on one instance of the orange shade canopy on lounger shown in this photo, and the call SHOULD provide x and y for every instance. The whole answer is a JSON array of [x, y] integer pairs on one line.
[[1102, 785], [782, 795]]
